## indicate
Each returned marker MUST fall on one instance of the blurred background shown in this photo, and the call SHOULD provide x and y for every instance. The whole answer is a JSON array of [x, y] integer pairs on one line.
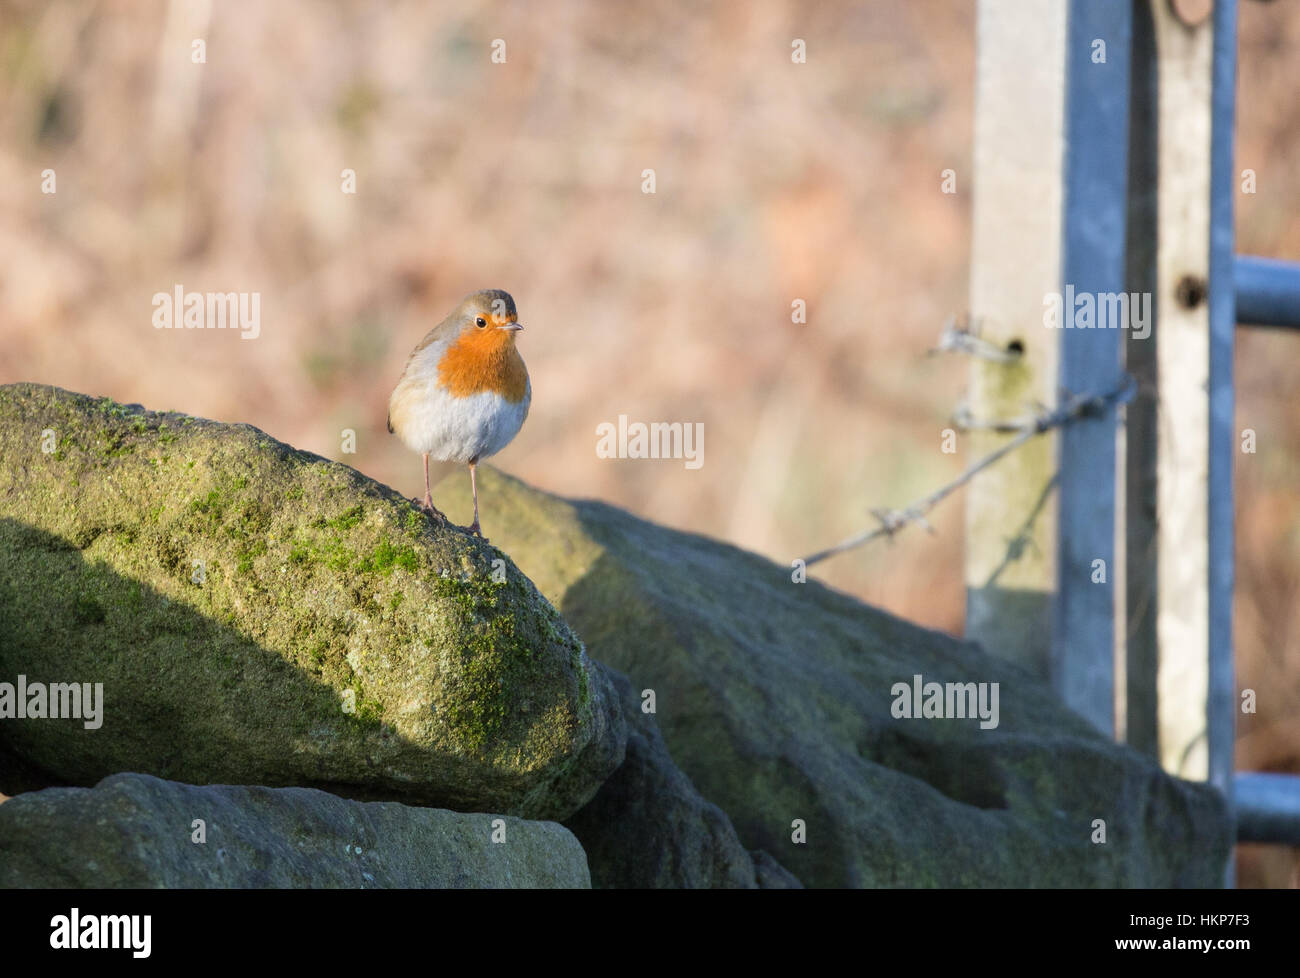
[[775, 181]]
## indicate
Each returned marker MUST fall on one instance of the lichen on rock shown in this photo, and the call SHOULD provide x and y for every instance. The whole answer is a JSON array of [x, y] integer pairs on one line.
[[262, 615], [775, 699], [133, 830]]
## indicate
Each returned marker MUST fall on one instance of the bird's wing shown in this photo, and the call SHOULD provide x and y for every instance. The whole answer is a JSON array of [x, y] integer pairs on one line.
[[428, 349], [435, 334]]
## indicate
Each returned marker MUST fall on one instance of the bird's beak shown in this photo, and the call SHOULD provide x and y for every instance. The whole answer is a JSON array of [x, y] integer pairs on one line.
[[513, 327]]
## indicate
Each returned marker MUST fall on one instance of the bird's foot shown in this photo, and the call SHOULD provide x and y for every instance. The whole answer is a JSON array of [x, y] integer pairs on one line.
[[432, 510], [477, 531]]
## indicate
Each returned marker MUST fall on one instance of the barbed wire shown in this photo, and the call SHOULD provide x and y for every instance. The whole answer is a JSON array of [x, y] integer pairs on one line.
[[1073, 408], [962, 335]]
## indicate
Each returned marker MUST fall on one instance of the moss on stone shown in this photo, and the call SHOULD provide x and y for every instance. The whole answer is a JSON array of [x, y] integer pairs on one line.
[[775, 698], [229, 590]]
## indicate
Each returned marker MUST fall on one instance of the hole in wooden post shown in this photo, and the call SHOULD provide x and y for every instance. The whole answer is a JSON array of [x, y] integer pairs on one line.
[[1190, 291]]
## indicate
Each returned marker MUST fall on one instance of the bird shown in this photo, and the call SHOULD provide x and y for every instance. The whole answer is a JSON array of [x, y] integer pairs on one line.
[[465, 391]]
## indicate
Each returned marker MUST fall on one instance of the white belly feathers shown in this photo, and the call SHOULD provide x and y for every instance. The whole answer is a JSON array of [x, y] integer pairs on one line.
[[460, 429]]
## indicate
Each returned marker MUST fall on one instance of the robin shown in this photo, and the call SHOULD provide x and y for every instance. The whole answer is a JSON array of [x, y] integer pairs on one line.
[[464, 393]]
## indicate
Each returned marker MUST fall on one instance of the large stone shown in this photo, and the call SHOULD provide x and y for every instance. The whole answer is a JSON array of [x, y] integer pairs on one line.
[[775, 698], [134, 830], [260, 615], [649, 827]]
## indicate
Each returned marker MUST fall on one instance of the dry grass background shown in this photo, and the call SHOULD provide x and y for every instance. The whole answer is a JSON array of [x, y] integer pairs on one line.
[[776, 181]]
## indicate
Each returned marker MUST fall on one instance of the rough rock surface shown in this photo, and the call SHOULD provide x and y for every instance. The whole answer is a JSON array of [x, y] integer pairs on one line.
[[775, 699], [134, 830], [261, 615], [649, 827]]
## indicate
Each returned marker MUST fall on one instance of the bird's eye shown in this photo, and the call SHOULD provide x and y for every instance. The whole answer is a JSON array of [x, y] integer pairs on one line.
[[480, 322]]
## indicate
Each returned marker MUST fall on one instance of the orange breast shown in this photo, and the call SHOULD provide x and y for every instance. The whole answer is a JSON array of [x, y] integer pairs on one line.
[[484, 360]]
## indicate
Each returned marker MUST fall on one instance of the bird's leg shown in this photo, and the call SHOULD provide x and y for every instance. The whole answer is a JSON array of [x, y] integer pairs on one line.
[[473, 488], [427, 505]]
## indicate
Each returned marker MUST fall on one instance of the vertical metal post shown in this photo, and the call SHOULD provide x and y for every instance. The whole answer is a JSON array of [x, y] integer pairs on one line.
[[1140, 435], [1222, 699], [1097, 62]]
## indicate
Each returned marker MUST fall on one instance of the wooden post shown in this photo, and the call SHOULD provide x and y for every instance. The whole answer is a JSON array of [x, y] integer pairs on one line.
[[1015, 261], [1184, 53]]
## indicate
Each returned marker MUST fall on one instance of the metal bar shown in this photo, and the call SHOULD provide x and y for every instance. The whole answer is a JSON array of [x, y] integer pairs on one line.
[[1141, 426], [1268, 291], [1268, 807], [1221, 698], [1097, 64]]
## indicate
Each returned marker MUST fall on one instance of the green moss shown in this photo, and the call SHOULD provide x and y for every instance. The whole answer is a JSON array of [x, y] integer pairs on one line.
[[317, 653], [300, 603], [116, 445], [333, 552], [246, 555], [473, 594], [253, 520], [349, 519], [210, 506], [337, 557], [385, 557], [584, 680], [111, 408], [500, 658], [87, 611], [479, 702], [169, 553], [415, 522], [368, 712]]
